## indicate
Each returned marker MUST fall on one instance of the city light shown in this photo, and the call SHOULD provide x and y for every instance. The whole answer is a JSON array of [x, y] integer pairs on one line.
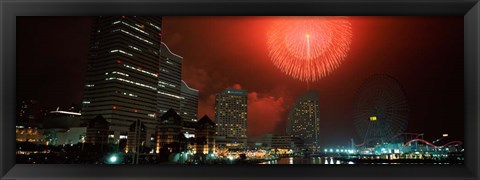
[[113, 159], [147, 87]]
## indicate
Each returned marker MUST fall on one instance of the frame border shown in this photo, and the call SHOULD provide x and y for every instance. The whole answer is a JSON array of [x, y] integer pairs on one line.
[[9, 9]]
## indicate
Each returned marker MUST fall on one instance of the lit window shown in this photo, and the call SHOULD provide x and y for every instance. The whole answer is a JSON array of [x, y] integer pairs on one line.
[[171, 95], [133, 27], [120, 51], [120, 73], [164, 83], [158, 28], [141, 70], [133, 47], [132, 82], [133, 35]]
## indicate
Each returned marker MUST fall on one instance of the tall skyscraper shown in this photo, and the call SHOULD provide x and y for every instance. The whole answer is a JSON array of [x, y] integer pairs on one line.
[[122, 73], [169, 83], [231, 118], [304, 120], [189, 103]]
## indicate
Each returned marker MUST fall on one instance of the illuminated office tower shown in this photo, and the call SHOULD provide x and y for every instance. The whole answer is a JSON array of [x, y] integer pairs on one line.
[[304, 118], [122, 73], [169, 83], [189, 103], [231, 118]]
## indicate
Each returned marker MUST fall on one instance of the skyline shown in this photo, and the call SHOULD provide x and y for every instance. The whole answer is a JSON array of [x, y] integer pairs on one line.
[[188, 36]]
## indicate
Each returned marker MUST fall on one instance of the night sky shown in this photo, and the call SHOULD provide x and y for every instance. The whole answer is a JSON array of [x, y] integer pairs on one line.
[[425, 55]]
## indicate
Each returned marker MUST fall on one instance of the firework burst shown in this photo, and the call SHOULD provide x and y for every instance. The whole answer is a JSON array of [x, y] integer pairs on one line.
[[309, 48]]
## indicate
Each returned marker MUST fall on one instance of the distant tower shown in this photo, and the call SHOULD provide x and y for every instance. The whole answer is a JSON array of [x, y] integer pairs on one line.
[[122, 72], [169, 83], [304, 120], [189, 103], [231, 118], [30, 113]]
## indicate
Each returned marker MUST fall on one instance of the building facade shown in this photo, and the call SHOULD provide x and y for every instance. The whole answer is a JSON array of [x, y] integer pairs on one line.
[[64, 127], [63, 119], [231, 118], [122, 72], [169, 136], [304, 120], [189, 103], [29, 134], [30, 113], [205, 136], [169, 82], [136, 137], [98, 131]]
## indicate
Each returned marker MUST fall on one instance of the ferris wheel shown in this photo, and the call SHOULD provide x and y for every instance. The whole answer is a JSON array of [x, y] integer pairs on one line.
[[381, 110]]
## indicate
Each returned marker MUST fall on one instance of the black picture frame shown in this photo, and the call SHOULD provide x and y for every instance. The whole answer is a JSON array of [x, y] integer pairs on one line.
[[470, 9]]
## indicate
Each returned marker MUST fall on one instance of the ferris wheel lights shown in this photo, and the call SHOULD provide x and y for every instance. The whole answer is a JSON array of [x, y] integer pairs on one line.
[[380, 96]]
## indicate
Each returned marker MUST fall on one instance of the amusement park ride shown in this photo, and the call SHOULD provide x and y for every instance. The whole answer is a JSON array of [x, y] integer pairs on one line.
[[380, 117]]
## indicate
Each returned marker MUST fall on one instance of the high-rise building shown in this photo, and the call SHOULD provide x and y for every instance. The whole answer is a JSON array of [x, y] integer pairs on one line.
[[231, 118], [122, 73], [189, 103], [169, 83], [304, 120]]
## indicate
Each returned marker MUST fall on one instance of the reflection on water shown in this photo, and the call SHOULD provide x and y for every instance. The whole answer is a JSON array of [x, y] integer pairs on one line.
[[322, 160], [311, 160]]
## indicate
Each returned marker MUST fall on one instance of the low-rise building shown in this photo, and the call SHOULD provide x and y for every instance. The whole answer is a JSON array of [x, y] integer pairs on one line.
[[205, 136]]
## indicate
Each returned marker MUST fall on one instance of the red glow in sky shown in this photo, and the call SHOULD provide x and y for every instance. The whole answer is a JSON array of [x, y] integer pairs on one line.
[[221, 52]]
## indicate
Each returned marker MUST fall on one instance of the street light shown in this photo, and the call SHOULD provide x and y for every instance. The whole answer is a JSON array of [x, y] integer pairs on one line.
[[113, 159]]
